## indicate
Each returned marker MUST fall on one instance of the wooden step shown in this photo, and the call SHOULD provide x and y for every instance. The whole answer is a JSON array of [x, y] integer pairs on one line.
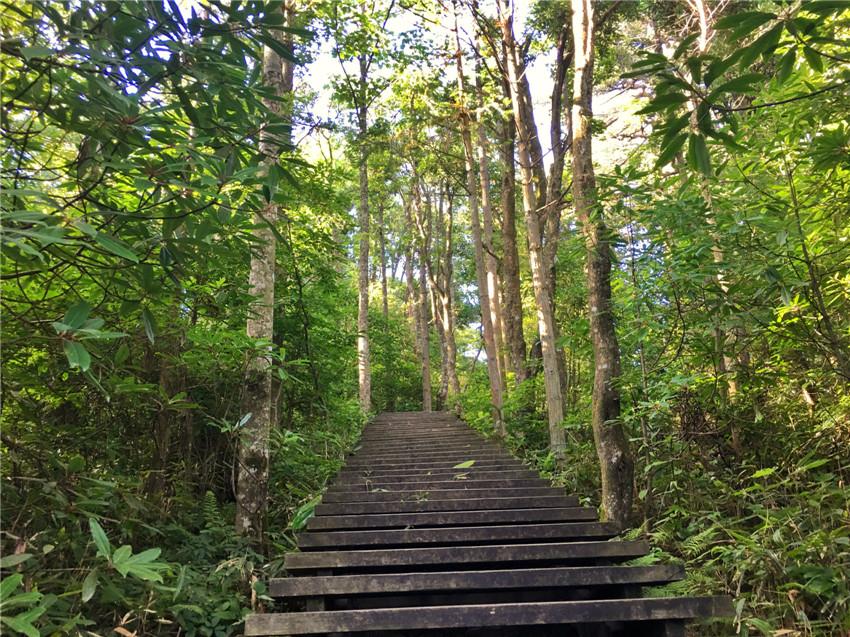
[[458, 535], [425, 505], [451, 518], [488, 615], [369, 486], [454, 555], [439, 465], [439, 456], [404, 475], [439, 494], [528, 578]]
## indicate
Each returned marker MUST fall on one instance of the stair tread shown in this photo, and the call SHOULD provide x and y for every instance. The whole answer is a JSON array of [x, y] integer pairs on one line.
[[452, 518], [488, 615], [467, 554]]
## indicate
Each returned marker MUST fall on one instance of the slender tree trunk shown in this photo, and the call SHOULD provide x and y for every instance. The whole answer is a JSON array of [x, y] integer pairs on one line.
[[424, 333], [480, 268], [435, 286], [512, 310], [364, 372], [253, 455], [612, 447], [413, 314], [531, 192], [385, 307], [447, 306], [422, 212], [490, 262]]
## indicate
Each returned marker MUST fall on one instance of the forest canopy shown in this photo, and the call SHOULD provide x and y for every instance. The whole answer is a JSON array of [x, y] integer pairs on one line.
[[616, 239]]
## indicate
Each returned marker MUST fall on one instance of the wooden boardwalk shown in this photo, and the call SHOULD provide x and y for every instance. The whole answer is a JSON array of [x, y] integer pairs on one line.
[[430, 529]]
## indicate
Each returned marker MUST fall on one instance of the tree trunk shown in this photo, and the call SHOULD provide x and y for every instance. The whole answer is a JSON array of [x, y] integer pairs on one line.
[[480, 268], [512, 310], [364, 372], [424, 333], [490, 263], [253, 455], [447, 306], [531, 194], [385, 307], [612, 447], [422, 212]]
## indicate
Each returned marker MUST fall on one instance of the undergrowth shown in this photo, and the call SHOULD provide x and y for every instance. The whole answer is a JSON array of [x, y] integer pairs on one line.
[[771, 528]]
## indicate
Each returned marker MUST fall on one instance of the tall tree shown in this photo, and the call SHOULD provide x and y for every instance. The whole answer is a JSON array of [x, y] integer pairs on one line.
[[612, 447], [511, 294], [533, 195], [422, 216], [490, 260], [253, 457], [487, 326], [358, 29]]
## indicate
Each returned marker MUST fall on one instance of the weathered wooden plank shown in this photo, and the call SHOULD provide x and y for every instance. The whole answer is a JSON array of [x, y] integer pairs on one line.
[[439, 494], [430, 468], [425, 465], [365, 508], [488, 615], [452, 555], [527, 578], [457, 456], [369, 486], [458, 535], [436, 475], [451, 518]]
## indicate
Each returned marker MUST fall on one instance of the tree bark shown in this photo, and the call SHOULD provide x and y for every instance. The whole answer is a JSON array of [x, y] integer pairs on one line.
[[532, 191], [512, 310], [423, 222], [490, 262], [480, 268], [612, 447], [382, 243], [364, 372], [253, 454]]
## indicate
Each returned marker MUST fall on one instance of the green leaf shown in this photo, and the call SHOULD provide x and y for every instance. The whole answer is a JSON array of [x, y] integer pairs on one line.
[[89, 585], [104, 549], [77, 354], [8, 561], [22, 623], [671, 149], [786, 65], [813, 58], [122, 354], [277, 46], [149, 323], [684, 44], [741, 84], [31, 52], [698, 157], [77, 315], [76, 464], [145, 556], [763, 473], [754, 18], [9, 584], [464, 465], [119, 557], [764, 44], [663, 102], [719, 66], [116, 247], [303, 514]]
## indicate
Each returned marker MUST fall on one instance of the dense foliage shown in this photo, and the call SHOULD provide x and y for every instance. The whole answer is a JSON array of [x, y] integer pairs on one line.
[[131, 178]]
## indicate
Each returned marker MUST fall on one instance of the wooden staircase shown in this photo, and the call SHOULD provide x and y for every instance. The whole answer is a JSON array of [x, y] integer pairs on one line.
[[432, 530]]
